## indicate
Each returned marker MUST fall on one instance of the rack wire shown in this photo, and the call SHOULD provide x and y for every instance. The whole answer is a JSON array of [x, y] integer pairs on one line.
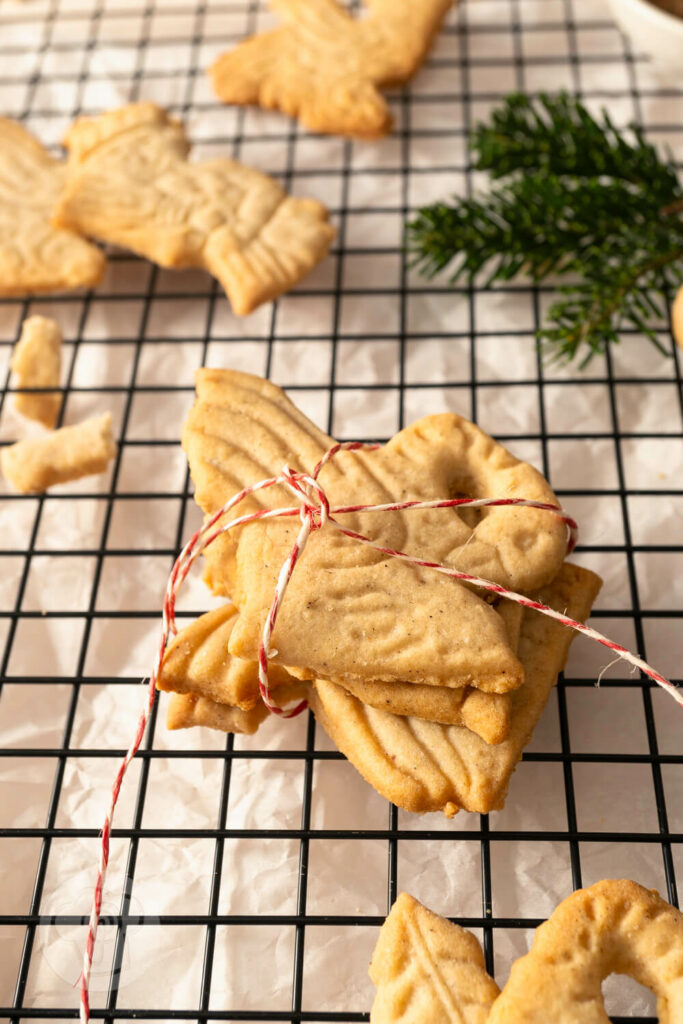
[[600, 789]]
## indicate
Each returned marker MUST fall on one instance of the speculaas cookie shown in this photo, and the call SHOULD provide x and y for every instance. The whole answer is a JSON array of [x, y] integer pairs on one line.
[[36, 363], [36, 463], [197, 662], [35, 256], [430, 971], [129, 182], [486, 714], [352, 614], [187, 710], [422, 766], [197, 666], [326, 66]]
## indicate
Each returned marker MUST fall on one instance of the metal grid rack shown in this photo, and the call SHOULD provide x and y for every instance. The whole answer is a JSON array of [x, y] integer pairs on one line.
[[85, 564]]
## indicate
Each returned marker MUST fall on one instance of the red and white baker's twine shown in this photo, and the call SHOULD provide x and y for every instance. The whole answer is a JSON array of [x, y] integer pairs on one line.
[[314, 510]]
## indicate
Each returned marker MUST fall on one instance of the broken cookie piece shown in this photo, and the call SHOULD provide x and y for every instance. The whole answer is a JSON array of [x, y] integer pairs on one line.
[[35, 255], [36, 361], [34, 464], [129, 183]]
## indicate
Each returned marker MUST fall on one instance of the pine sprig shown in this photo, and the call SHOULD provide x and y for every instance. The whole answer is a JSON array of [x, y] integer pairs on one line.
[[572, 195]]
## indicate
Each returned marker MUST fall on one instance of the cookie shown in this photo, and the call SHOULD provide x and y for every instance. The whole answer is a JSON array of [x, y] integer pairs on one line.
[[187, 710], [129, 183], [325, 66], [36, 362], [486, 714], [353, 615], [677, 317], [429, 971], [197, 662], [35, 256], [34, 464], [422, 766]]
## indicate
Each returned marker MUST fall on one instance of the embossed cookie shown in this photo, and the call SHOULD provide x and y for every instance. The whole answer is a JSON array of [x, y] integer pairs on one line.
[[429, 971], [36, 362], [130, 183], [35, 256], [197, 665], [197, 662], [486, 714], [353, 615], [187, 710], [36, 463], [422, 766], [326, 66]]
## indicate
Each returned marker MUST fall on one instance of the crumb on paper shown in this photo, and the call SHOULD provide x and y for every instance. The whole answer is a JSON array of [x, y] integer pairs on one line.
[[36, 361], [34, 464]]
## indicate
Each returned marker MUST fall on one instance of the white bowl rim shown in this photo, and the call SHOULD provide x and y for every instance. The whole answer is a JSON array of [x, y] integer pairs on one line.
[[659, 17]]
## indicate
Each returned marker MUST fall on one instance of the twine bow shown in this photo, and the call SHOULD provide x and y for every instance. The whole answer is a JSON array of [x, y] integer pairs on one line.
[[314, 511]]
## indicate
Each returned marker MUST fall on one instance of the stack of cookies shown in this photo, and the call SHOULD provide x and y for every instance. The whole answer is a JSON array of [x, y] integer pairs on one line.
[[429, 687]]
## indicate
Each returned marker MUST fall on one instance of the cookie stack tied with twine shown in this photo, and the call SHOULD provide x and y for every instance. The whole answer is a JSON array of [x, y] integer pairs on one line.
[[429, 685]]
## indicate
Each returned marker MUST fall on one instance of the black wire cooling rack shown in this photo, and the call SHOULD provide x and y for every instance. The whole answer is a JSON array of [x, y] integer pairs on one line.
[[364, 346]]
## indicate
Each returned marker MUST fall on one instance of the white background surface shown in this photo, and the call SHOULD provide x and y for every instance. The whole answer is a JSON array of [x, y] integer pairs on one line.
[[364, 345]]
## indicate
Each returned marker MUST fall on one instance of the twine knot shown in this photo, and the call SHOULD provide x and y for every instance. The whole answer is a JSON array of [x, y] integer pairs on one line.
[[315, 506]]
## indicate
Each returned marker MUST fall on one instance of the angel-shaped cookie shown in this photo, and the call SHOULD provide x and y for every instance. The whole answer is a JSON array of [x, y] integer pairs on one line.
[[325, 66], [35, 256], [430, 971], [130, 183]]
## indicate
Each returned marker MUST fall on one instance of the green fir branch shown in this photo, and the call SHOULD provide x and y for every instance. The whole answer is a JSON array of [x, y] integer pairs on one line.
[[571, 196]]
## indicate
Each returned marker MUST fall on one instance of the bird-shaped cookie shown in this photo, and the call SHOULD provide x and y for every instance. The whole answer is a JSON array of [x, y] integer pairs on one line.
[[325, 66]]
